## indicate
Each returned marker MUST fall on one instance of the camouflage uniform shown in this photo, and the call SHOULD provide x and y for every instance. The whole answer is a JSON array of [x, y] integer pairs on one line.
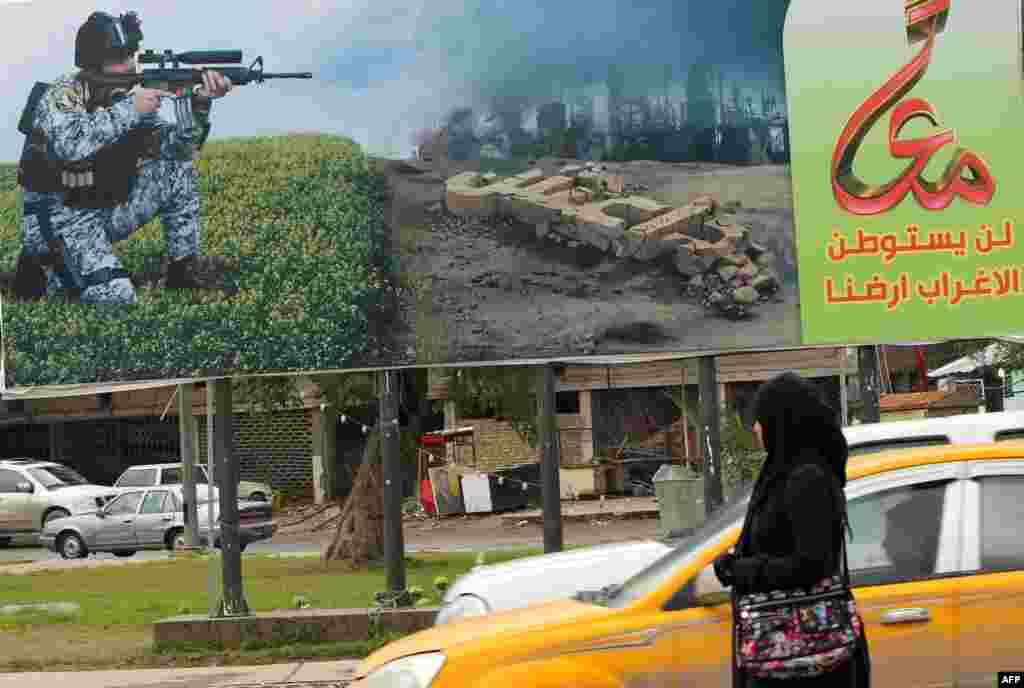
[[166, 187]]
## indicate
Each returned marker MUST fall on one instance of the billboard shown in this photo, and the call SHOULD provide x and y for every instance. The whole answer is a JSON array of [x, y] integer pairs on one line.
[[458, 182], [904, 158]]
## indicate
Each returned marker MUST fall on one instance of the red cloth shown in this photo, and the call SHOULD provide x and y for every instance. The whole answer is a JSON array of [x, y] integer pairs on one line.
[[427, 497]]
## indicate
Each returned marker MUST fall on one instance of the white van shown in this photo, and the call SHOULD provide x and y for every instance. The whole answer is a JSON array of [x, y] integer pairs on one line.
[[522, 582], [969, 428]]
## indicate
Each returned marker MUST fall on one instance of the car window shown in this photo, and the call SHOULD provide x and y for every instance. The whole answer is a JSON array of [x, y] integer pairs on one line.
[[171, 476], [874, 446], [896, 533], [139, 477], [661, 570], [125, 504], [1010, 435], [155, 503], [55, 476], [1002, 522], [9, 481]]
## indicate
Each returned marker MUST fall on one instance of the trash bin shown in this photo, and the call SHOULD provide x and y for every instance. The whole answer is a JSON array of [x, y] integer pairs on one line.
[[680, 494]]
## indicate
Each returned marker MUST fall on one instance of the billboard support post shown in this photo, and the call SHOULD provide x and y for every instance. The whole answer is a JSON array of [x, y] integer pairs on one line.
[[550, 463], [233, 602], [711, 407], [211, 503], [394, 547], [186, 423], [871, 411]]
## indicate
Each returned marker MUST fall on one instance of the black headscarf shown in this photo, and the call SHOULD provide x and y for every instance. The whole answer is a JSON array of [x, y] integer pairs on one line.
[[798, 426]]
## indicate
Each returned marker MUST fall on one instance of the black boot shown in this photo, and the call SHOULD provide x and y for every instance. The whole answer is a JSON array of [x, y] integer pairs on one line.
[[200, 272]]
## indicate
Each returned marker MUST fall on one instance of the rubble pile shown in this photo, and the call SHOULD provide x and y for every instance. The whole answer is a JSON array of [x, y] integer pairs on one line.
[[715, 258]]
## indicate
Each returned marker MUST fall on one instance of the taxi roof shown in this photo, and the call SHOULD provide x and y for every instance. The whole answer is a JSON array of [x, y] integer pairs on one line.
[[894, 459]]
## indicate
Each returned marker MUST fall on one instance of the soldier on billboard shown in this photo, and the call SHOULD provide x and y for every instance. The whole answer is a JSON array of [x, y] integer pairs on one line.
[[98, 164]]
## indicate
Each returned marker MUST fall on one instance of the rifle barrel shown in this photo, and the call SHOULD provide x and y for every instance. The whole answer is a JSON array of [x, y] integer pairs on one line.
[[288, 75]]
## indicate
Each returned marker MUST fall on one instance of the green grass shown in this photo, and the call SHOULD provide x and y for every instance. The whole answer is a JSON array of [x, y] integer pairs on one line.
[[119, 605], [303, 219]]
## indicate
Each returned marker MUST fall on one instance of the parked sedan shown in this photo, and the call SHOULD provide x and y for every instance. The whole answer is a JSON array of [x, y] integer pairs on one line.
[[173, 474], [33, 493], [147, 520]]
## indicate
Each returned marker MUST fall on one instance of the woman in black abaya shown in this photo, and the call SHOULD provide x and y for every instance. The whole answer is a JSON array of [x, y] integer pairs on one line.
[[797, 513]]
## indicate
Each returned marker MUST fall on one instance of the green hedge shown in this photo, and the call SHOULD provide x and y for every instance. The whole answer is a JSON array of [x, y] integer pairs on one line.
[[301, 216]]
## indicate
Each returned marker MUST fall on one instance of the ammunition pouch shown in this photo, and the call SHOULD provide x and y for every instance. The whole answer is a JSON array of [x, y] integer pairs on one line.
[[106, 180]]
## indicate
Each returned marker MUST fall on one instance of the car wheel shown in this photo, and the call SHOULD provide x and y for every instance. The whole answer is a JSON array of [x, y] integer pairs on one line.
[[54, 514], [71, 546], [125, 553], [176, 539], [258, 497]]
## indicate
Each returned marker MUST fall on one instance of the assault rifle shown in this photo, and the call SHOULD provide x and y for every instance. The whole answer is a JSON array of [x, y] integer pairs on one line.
[[179, 80]]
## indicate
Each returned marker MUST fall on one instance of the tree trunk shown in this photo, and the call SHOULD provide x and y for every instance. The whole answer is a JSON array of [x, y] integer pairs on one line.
[[359, 536]]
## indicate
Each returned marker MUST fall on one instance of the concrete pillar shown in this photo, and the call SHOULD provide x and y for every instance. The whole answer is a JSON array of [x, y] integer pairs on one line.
[[450, 421], [325, 439], [187, 434], [587, 420], [56, 441]]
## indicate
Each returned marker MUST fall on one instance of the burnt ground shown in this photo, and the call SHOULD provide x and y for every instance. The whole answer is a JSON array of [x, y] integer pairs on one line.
[[482, 291]]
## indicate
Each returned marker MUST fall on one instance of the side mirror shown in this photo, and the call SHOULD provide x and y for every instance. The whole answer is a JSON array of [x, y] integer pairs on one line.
[[26, 487], [708, 590]]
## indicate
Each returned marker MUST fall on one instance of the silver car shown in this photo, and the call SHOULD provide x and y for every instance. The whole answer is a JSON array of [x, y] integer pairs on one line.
[[147, 520], [33, 492]]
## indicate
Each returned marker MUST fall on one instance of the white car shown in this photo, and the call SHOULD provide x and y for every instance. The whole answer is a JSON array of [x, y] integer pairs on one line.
[[561, 575], [153, 475], [33, 493]]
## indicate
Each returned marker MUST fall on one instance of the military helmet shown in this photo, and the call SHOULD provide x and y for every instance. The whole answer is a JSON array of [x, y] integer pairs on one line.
[[104, 37]]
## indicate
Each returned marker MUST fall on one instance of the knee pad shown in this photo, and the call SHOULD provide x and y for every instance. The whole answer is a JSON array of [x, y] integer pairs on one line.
[[117, 289]]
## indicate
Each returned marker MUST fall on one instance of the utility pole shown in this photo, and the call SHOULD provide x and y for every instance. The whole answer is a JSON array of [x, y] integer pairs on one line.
[[550, 462], [710, 405], [233, 602], [186, 432], [870, 383], [394, 547]]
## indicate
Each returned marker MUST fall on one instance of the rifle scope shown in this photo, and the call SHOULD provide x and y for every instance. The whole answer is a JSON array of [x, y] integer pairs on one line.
[[192, 57]]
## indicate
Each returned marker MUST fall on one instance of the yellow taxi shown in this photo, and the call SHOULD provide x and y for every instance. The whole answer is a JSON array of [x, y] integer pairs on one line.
[[936, 560]]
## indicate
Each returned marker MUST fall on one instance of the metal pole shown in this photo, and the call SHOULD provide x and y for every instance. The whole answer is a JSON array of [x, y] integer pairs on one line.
[[870, 383], [188, 462], [211, 502], [233, 602], [394, 547], [844, 400], [550, 463], [712, 434]]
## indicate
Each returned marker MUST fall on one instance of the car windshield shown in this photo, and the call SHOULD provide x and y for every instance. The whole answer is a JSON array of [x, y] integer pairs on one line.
[[656, 574], [56, 477]]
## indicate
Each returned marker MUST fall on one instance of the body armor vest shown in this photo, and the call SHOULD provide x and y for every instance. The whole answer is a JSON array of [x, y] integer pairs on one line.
[[105, 180]]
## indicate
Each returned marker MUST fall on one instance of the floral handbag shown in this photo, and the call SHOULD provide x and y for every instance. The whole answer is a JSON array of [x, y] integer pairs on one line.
[[798, 633]]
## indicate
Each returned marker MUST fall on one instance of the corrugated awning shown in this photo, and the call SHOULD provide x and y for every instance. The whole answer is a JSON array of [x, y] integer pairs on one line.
[[91, 389]]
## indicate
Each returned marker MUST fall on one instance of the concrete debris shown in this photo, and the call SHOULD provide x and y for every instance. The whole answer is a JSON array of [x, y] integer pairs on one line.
[[717, 259]]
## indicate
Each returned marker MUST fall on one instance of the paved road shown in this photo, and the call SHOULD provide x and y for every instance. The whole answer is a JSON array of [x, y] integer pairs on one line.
[[335, 674], [28, 552]]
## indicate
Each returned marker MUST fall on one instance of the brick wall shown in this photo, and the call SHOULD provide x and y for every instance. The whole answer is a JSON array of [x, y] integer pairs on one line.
[[498, 444], [282, 441]]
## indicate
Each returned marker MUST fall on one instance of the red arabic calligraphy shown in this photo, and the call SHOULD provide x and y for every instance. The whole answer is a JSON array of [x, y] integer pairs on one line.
[[859, 198]]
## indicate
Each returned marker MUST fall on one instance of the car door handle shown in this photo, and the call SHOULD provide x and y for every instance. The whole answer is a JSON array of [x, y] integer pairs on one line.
[[897, 616], [130, 520], [167, 518]]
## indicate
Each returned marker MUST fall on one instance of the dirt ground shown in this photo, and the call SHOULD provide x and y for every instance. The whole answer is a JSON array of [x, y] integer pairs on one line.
[[484, 531], [482, 291]]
